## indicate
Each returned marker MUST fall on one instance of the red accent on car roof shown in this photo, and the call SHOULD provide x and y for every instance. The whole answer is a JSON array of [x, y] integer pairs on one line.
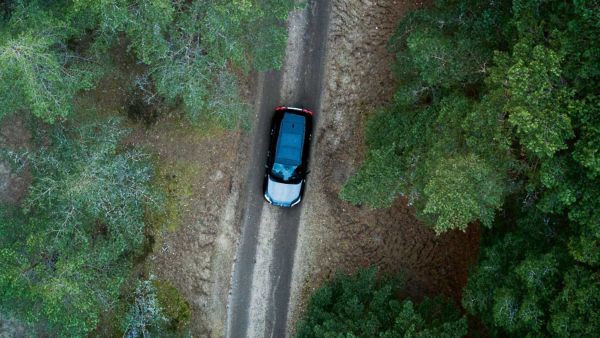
[[278, 108]]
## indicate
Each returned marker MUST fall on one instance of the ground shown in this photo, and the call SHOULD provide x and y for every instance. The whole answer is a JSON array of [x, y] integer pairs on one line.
[[202, 170], [197, 169], [15, 137], [336, 236]]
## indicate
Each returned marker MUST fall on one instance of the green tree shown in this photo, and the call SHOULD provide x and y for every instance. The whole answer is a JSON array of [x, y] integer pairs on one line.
[[537, 104], [428, 144], [37, 70], [460, 190], [363, 306], [512, 126], [66, 253], [192, 49], [527, 284], [377, 182]]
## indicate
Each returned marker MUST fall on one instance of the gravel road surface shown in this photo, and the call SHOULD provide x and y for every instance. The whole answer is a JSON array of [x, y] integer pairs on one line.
[[259, 299]]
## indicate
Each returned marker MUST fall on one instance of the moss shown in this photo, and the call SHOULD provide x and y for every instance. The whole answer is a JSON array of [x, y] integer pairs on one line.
[[174, 180], [175, 307], [178, 127]]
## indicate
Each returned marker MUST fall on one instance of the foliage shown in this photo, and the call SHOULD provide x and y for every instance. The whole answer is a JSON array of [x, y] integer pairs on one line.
[[145, 317], [155, 308], [527, 284], [376, 172], [497, 108], [431, 139], [538, 106], [363, 306], [175, 308], [553, 235], [38, 71], [65, 254], [192, 49], [508, 112], [460, 190]]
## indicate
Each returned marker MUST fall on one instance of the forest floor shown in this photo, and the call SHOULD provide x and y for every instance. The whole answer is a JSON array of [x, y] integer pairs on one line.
[[201, 169], [14, 136], [198, 169], [196, 254], [335, 235]]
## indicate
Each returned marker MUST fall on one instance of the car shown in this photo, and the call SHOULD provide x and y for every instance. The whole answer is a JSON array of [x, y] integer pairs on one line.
[[287, 157]]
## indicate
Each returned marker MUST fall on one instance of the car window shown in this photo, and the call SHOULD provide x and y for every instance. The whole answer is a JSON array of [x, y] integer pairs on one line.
[[285, 173], [289, 149], [291, 140], [288, 152]]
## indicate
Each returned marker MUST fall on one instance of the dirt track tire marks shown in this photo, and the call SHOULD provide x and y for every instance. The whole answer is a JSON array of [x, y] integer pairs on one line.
[[243, 270], [255, 309]]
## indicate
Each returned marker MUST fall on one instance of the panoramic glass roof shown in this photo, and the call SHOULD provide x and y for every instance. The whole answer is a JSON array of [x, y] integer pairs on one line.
[[291, 139]]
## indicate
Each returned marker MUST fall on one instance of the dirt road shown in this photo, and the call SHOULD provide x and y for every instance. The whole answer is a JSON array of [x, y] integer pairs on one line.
[[259, 299]]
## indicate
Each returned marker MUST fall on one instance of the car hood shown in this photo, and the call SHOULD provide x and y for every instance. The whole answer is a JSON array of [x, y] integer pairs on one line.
[[283, 194]]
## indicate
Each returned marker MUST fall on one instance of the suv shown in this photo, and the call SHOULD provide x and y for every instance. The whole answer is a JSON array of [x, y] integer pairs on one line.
[[287, 158]]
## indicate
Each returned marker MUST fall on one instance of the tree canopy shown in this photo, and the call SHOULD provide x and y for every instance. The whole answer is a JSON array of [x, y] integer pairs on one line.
[[192, 49], [66, 253], [365, 306], [68, 249], [495, 121]]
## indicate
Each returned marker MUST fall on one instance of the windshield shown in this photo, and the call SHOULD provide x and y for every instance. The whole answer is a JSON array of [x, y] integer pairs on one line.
[[285, 172]]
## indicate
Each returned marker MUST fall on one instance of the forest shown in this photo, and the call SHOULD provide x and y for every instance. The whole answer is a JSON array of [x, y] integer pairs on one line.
[[72, 251], [494, 123]]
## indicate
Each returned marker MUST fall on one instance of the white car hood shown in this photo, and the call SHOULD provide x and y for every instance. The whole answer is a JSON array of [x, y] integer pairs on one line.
[[282, 193]]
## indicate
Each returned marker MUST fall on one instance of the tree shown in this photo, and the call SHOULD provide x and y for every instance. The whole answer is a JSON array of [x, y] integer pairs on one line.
[[156, 308], [66, 253], [526, 283], [506, 135], [192, 50], [424, 145], [363, 306], [37, 70], [377, 181], [460, 190], [537, 104]]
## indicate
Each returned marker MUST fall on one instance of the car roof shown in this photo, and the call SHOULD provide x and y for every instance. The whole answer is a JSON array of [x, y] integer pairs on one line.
[[291, 139]]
